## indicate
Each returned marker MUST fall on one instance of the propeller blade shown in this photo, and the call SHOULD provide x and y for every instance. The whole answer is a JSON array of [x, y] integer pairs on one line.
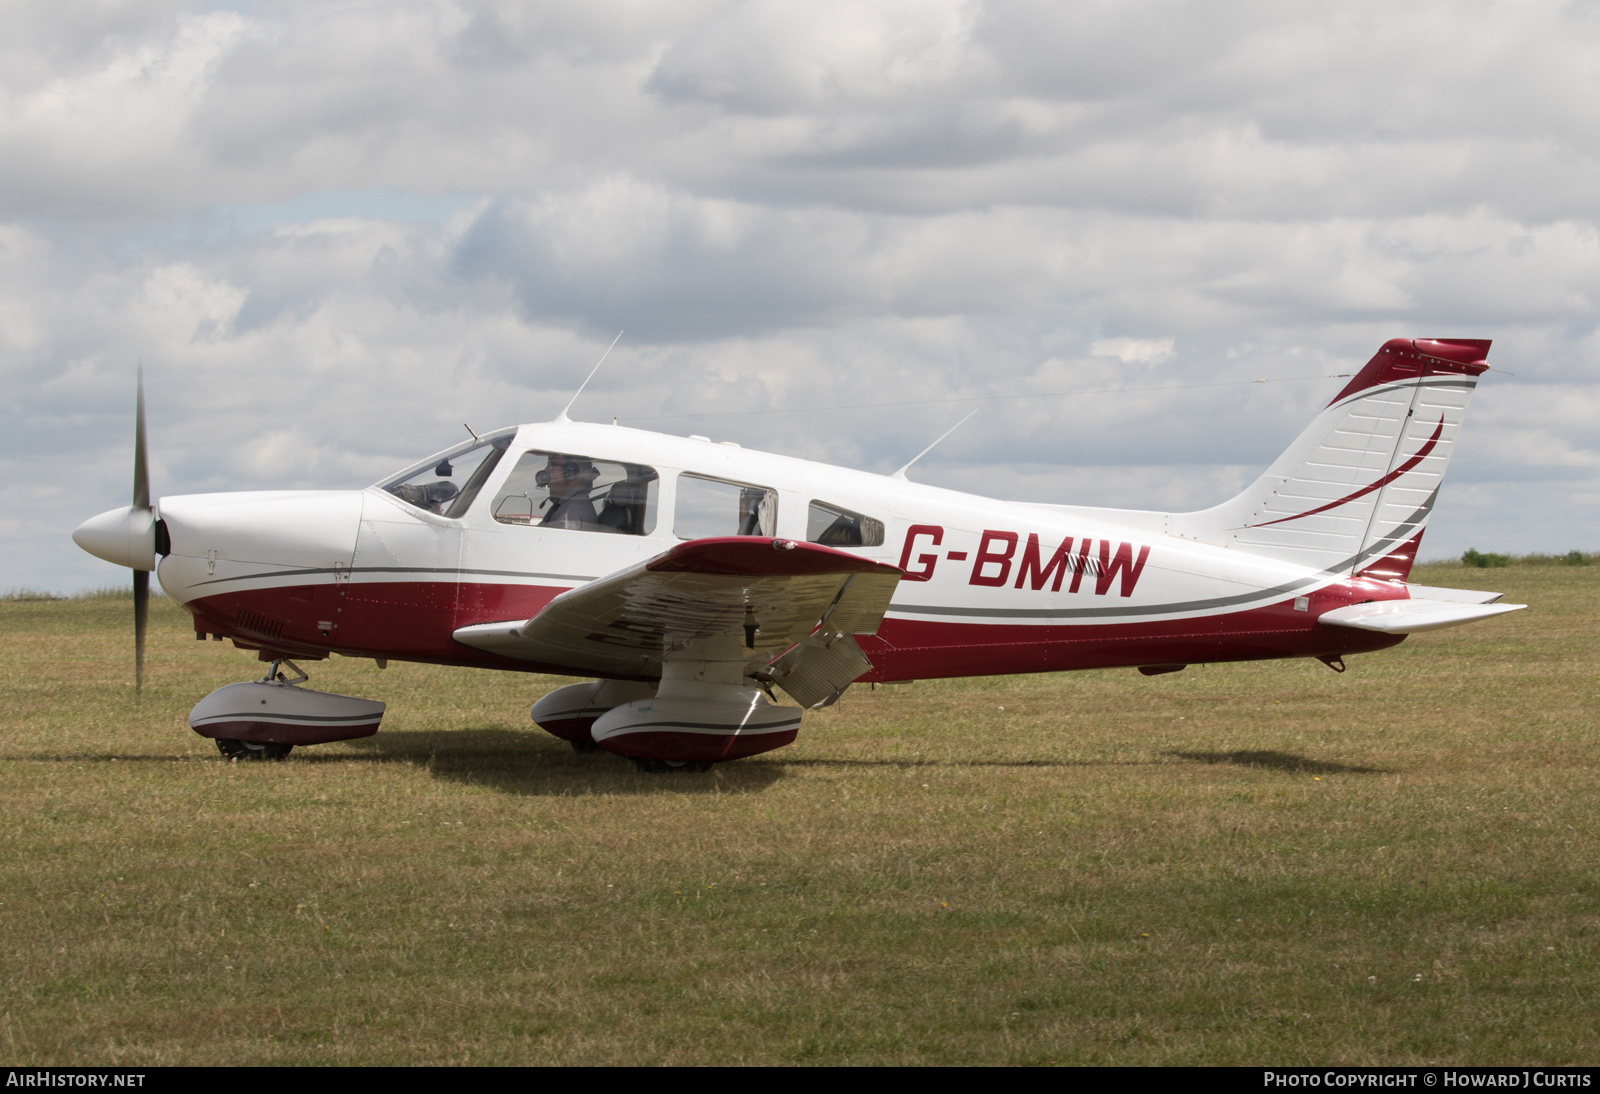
[[141, 616], [141, 475], [141, 500]]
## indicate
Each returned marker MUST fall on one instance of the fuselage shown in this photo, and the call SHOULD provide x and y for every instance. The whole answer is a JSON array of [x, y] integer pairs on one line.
[[990, 586]]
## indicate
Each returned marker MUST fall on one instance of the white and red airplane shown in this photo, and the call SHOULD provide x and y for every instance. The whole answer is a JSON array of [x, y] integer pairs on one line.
[[690, 579]]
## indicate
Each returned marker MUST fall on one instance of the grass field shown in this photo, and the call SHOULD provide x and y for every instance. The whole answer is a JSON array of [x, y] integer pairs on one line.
[[1264, 863]]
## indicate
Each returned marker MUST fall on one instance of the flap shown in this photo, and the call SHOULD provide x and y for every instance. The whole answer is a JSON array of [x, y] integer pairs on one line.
[[819, 668], [767, 594], [1411, 616]]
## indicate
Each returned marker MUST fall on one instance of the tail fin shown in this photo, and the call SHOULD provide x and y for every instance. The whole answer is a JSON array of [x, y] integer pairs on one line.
[[1354, 492]]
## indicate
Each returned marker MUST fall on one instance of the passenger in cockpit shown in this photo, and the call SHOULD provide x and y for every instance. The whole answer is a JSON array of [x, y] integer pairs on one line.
[[569, 480]]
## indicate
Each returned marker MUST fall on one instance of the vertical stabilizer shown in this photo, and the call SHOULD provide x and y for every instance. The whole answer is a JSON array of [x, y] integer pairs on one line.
[[1354, 492]]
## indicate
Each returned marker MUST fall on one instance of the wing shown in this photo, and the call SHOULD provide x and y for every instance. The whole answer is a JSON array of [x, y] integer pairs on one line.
[[759, 597]]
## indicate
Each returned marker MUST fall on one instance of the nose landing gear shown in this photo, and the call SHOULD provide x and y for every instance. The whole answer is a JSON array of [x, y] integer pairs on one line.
[[250, 750], [660, 767], [234, 749], [265, 719]]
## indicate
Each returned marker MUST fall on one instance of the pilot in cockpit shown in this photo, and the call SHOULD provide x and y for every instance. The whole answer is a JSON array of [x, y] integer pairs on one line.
[[569, 480]]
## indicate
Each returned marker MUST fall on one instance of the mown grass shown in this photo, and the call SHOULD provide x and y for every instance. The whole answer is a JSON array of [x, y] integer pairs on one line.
[[1233, 864]]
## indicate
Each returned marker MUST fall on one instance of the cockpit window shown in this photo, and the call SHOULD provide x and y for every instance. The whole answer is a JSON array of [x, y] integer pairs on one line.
[[562, 490], [833, 526], [448, 485]]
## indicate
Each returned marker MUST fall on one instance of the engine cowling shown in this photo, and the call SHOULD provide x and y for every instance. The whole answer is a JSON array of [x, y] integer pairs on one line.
[[697, 723], [270, 712], [570, 712]]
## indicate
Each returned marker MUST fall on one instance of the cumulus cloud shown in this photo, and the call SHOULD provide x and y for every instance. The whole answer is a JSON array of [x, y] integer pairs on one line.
[[333, 233], [1131, 350]]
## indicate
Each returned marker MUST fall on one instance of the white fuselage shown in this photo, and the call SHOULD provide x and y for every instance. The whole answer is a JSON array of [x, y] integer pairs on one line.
[[364, 572]]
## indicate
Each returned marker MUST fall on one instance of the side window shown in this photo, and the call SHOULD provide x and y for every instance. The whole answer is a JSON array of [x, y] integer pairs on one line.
[[711, 507], [561, 490], [448, 487], [832, 526]]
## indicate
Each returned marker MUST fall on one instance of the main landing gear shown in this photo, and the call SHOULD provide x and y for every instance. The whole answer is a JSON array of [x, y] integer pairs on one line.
[[701, 713]]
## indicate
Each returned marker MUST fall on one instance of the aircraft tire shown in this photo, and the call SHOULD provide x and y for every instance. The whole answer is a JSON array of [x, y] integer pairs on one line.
[[585, 747], [250, 750], [663, 767]]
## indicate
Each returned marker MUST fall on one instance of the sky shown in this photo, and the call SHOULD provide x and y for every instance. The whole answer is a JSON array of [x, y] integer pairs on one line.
[[335, 234]]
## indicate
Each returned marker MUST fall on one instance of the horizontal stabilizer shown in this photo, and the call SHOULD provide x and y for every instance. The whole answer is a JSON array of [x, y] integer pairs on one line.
[[1411, 616], [1454, 596]]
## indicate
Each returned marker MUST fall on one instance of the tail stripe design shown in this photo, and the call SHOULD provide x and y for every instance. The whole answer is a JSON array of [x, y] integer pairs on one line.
[[1421, 455]]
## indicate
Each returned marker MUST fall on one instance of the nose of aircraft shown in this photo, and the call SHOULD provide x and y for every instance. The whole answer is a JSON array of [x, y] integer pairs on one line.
[[257, 531], [125, 536]]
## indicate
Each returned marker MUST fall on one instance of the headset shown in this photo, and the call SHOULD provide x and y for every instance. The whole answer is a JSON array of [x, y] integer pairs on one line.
[[571, 469]]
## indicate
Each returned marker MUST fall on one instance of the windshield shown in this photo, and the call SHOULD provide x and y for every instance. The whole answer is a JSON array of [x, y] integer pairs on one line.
[[448, 484]]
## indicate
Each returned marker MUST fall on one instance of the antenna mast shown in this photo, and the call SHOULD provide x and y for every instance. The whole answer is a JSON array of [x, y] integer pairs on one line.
[[562, 417], [901, 474]]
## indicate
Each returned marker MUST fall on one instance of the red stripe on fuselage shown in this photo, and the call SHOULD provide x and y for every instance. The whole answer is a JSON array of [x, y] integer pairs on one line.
[[413, 621], [404, 620]]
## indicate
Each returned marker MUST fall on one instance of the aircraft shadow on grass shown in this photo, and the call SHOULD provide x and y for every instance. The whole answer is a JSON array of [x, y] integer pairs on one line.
[[534, 764], [907, 763], [1277, 761]]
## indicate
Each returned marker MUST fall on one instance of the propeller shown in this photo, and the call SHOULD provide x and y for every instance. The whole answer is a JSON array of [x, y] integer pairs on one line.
[[131, 537], [141, 500]]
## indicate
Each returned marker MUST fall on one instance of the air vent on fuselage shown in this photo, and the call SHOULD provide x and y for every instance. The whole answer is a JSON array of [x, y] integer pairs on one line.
[[258, 624]]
